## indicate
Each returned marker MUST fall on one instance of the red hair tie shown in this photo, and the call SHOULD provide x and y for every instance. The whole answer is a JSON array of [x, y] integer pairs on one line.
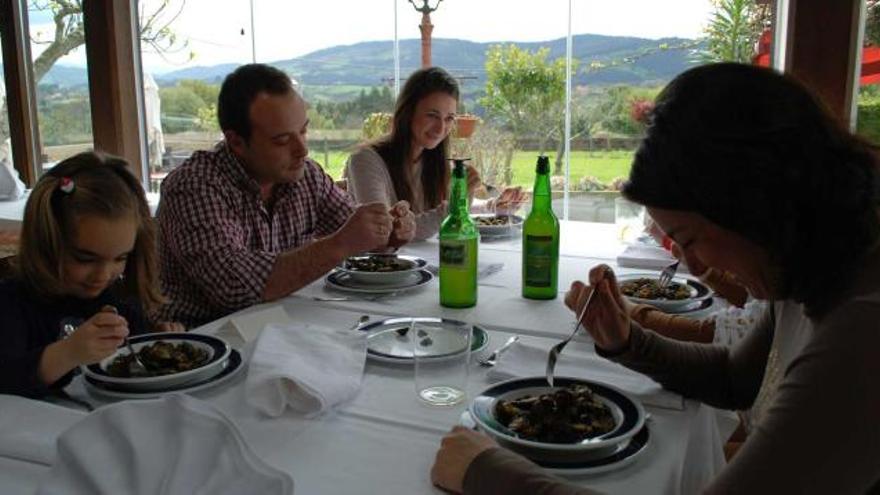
[[66, 185]]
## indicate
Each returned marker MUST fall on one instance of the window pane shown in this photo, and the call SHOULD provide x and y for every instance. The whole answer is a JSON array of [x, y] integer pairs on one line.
[[510, 64], [868, 104], [626, 53], [345, 72], [61, 74]]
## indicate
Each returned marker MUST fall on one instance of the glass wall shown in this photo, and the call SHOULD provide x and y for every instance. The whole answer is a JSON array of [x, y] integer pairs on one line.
[[61, 75], [340, 55], [868, 101], [510, 64]]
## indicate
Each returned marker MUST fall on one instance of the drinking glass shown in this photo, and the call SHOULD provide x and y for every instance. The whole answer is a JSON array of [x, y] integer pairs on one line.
[[441, 356], [629, 218]]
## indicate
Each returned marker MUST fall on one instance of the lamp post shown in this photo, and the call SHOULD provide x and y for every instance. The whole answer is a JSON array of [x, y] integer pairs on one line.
[[426, 27]]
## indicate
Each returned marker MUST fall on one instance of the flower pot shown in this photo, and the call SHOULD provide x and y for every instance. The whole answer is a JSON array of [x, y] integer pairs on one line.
[[465, 125]]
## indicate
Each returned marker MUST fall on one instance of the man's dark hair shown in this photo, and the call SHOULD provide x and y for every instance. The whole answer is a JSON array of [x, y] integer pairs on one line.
[[754, 152], [239, 90]]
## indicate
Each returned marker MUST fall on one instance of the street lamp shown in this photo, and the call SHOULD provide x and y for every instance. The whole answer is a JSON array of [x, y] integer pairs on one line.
[[426, 27]]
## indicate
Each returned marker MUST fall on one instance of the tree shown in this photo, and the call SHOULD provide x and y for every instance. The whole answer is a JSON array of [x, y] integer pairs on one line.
[[67, 16], [733, 30], [525, 91]]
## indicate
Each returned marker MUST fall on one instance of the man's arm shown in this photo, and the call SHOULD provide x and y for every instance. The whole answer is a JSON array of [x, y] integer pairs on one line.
[[367, 229]]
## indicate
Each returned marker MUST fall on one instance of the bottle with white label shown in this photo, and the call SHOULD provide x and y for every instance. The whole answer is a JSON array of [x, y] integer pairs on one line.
[[459, 243], [540, 252]]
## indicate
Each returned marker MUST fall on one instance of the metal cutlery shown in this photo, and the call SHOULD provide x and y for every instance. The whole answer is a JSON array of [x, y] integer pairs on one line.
[[556, 349], [136, 367], [363, 319], [492, 360], [373, 298], [667, 274]]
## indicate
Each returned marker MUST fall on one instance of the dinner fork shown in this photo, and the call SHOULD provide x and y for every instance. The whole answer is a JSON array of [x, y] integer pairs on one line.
[[136, 367], [493, 358], [557, 349], [667, 274]]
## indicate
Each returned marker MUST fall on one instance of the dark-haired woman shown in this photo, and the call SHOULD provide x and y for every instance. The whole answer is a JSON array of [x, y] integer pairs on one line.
[[748, 173], [410, 163]]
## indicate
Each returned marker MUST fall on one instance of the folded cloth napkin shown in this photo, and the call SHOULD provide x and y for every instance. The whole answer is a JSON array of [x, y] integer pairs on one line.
[[177, 444], [645, 256], [29, 428], [530, 360], [307, 367]]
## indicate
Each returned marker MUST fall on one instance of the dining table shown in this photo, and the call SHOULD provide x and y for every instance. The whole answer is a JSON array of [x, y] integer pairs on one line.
[[384, 440]]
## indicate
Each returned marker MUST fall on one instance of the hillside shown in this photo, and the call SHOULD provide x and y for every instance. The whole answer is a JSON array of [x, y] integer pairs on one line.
[[351, 67]]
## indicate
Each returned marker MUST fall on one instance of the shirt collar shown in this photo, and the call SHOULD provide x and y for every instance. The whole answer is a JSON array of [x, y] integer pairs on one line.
[[234, 165]]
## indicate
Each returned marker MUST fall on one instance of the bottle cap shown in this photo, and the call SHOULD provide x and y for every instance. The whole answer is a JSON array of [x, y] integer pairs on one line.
[[458, 170], [543, 165]]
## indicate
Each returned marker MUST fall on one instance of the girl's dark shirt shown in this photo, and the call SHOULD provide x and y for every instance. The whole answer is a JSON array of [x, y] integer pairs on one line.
[[30, 323]]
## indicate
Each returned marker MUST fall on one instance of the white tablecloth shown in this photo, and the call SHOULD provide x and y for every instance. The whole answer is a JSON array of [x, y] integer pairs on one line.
[[384, 441]]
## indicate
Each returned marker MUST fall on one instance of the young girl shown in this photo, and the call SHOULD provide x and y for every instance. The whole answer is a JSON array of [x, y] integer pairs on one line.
[[87, 260]]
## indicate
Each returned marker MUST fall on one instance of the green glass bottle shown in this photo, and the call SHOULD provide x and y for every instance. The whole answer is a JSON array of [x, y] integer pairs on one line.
[[459, 243], [540, 253]]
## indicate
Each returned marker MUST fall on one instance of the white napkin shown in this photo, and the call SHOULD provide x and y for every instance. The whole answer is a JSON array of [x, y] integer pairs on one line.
[[307, 367], [29, 428], [529, 360], [172, 445], [251, 323], [644, 256]]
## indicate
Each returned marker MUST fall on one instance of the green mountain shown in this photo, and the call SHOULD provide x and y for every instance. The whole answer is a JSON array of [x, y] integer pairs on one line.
[[342, 71]]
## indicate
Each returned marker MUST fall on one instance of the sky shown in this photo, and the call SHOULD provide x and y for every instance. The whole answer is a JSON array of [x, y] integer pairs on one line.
[[220, 32]]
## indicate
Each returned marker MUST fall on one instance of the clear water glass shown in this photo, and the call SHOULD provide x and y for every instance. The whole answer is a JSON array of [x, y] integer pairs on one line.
[[441, 355]]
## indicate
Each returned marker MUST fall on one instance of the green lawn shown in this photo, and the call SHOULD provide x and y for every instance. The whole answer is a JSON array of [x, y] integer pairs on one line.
[[604, 165]]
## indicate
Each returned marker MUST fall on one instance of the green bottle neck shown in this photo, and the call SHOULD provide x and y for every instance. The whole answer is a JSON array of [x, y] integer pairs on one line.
[[541, 197], [458, 202]]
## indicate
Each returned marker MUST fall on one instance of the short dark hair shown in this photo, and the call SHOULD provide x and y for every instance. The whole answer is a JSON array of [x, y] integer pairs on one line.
[[239, 90], [395, 147], [754, 152]]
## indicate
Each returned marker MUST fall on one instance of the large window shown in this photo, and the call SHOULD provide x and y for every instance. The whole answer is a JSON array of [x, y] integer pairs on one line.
[[511, 64], [340, 55], [868, 100], [60, 73]]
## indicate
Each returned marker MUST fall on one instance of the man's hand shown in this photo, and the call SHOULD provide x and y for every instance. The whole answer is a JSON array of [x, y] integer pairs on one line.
[[404, 224], [367, 229]]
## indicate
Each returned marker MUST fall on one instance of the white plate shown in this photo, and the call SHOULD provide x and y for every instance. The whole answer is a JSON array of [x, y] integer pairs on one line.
[[508, 229], [699, 293], [629, 417], [384, 278], [385, 344], [343, 281], [625, 454], [229, 368], [218, 351]]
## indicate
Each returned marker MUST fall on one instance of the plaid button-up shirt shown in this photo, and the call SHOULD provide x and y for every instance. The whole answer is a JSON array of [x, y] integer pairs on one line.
[[218, 241]]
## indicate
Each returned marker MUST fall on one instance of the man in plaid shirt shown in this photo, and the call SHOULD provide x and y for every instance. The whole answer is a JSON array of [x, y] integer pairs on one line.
[[255, 219]]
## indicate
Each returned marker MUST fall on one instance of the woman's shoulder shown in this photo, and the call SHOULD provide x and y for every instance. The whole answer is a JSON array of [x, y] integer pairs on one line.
[[366, 156]]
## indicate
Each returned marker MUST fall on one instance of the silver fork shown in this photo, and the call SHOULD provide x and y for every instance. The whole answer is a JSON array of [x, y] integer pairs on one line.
[[557, 349], [493, 358], [136, 367], [667, 274], [377, 297]]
